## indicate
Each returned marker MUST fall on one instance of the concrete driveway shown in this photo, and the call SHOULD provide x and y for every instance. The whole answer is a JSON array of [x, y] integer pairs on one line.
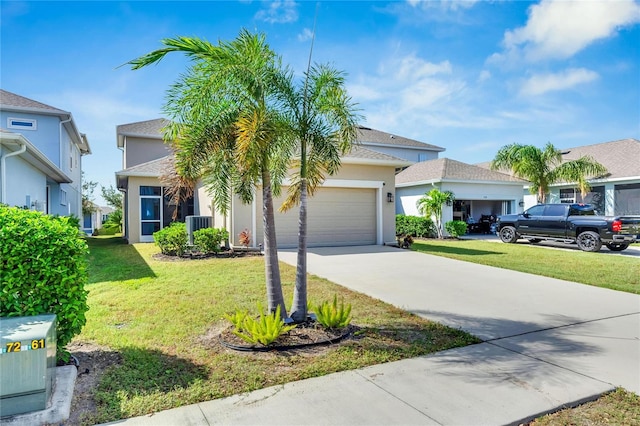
[[588, 330]]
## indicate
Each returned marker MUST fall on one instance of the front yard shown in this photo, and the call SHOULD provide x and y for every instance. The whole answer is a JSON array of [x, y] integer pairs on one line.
[[158, 323]]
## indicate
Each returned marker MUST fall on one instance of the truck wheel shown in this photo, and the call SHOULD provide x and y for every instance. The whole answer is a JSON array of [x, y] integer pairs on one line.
[[617, 246], [508, 234], [589, 241]]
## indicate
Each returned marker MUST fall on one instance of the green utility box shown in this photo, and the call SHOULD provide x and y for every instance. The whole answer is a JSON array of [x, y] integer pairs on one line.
[[27, 363]]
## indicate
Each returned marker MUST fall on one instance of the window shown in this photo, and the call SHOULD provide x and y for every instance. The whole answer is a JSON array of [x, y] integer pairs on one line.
[[535, 211], [22, 123], [150, 211], [555, 210], [63, 197], [422, 157], [568, 195]]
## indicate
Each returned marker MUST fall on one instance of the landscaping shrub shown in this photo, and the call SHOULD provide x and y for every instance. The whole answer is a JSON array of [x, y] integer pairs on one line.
[[43, 270], [172, 239], [331, 315], [415, 226], [264, 330], [455, 228], [208, 240]]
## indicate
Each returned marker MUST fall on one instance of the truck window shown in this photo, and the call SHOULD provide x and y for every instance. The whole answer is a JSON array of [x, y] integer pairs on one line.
[[581, 212], [535, 211], [555, 210]]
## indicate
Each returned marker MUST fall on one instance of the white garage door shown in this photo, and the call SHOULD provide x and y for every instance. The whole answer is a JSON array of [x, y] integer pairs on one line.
[[336, 217]]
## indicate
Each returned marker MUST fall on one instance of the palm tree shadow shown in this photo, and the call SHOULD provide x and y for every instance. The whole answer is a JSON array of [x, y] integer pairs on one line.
[[112, 259]]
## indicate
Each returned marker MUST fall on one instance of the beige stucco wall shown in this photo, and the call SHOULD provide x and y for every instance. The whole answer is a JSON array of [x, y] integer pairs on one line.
[[133, 213], [250, 216]]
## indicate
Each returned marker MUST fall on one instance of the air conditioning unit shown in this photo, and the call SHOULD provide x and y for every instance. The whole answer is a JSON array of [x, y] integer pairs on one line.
[[27, 363], [197, 222]]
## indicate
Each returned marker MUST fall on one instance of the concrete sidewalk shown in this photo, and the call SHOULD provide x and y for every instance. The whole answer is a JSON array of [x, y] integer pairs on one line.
[[548, 343]]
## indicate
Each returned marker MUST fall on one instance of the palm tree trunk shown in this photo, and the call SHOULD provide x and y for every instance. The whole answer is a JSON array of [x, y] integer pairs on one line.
[[299, 305], [275, 297]]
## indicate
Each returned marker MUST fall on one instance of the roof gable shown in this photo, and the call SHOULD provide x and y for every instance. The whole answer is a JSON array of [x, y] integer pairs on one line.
[[11, 101]]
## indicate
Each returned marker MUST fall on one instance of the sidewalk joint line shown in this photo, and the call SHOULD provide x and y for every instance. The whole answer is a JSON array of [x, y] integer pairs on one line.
[[559, 326]]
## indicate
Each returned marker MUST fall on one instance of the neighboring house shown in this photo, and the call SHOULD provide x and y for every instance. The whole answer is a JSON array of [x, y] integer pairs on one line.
[[618, 193], [477, 191], [40, 156], [353, 207], [93, 221], [105, 213]]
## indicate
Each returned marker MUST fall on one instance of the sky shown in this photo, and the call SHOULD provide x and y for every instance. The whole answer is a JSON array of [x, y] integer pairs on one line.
[[468, 76]]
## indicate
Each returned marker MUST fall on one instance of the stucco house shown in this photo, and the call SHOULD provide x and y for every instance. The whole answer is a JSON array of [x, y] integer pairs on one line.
[[353, 207], [478, 191], [41, 153], [617, 193]]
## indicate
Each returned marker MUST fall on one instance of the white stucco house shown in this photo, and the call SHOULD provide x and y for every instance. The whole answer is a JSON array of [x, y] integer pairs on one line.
[[41, 153], [477, 191]]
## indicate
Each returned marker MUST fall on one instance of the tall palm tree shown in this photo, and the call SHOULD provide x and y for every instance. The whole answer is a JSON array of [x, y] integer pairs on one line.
[[226, 127], [544, 167], [324, 121], [431, 205]]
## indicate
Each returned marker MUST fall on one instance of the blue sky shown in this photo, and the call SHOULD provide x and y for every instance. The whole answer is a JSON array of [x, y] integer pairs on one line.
[[469, 76]]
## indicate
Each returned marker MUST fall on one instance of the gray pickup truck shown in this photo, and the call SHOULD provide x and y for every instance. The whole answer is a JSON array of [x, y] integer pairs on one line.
[[570, 223]]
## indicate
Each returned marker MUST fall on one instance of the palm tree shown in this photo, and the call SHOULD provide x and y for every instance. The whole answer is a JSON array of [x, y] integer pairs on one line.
[[323, 128], [226, 127], [544, 167], [431, 205]]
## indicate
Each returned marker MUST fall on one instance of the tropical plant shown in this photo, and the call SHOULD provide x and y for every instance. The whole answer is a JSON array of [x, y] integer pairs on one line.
[[226, 127], [331, 315], [456, 228], [263, 330], [544, 167], [323, 123], [88, 187], [431, 205]]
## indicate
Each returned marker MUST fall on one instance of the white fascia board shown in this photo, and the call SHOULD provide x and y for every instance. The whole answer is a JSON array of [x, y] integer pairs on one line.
[[34, 157], [464, 181], [418, 183], [598, 181], [137, 174]]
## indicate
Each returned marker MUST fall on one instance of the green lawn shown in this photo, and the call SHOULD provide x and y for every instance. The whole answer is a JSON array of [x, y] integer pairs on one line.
[[163, 319], [597, 269]]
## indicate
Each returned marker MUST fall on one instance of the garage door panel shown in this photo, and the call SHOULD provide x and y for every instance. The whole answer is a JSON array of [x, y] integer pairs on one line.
[[335, 216]]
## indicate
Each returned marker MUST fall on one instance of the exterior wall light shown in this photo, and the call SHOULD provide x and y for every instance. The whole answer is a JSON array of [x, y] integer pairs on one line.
[[389, 197]]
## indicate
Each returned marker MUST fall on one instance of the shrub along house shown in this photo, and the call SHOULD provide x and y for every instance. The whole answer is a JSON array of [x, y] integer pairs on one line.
[[353, 207]]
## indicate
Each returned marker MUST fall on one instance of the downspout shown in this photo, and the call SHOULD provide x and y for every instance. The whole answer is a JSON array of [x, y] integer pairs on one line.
[[3, 167]]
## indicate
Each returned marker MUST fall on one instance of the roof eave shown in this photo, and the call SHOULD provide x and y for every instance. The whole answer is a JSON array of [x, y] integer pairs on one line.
[[34, 157]]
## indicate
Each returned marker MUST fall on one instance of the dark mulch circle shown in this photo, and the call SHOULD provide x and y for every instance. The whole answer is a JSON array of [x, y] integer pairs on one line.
[[225, 254], [305, 335]]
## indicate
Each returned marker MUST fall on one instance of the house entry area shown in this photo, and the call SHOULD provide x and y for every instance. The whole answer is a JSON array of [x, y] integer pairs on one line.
[[157, 211]]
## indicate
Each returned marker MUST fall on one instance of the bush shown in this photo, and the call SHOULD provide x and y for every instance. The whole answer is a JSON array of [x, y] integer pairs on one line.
[[415, 226], [455, 228], [331, 315], [172, 239], [43, 270], [208, 240], [264, 330]]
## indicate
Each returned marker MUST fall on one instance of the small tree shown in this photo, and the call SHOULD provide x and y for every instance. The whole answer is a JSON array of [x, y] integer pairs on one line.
[[88, 187], [431, 205]]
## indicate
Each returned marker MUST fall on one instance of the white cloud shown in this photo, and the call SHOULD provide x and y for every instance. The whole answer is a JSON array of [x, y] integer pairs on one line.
[[443, 4], [305, 35], [484, 76], [558, 29], [279, 12], [543, 83]]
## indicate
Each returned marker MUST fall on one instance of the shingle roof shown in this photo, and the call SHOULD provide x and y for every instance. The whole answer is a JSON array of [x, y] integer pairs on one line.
[[367, 135], [148, 128], [362, 153], [621, 157], [153, 168], [446, 169], [10, 100]]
